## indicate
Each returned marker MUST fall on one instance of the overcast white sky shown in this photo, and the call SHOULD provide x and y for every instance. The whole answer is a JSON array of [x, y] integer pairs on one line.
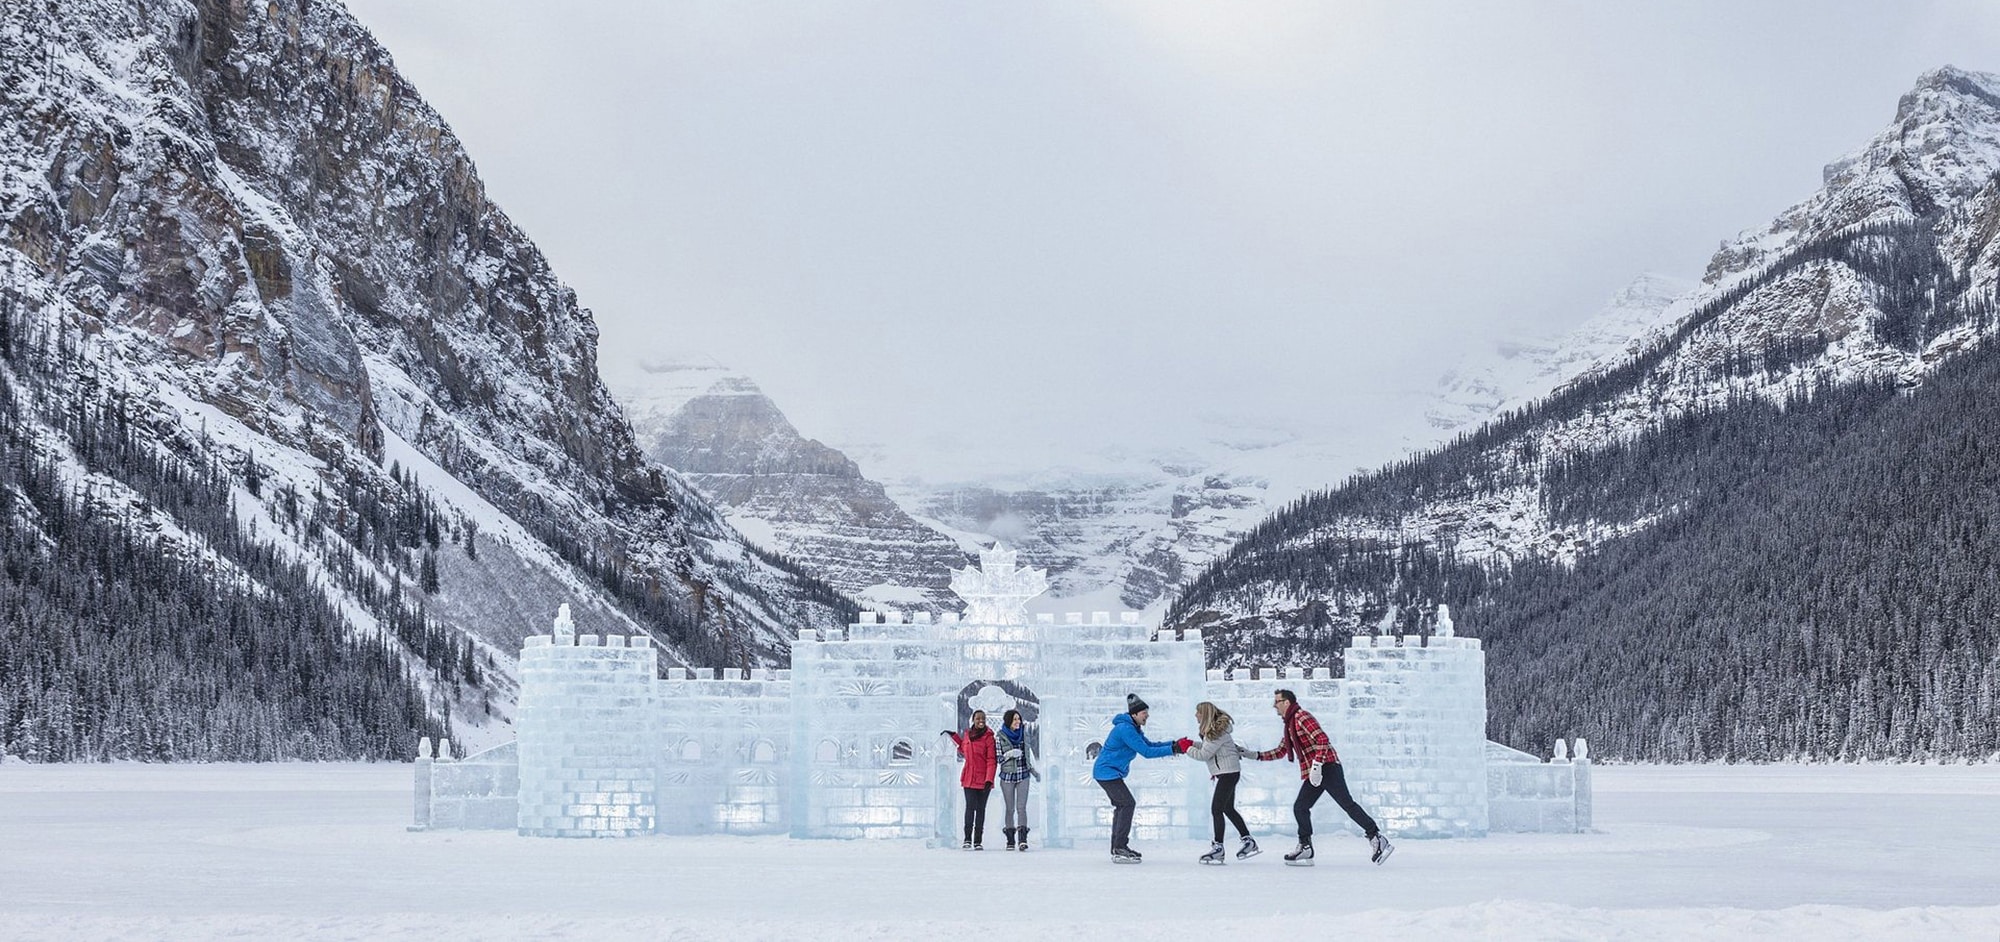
[[1051, 224]]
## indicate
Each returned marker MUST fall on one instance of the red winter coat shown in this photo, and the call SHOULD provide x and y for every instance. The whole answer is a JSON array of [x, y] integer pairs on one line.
[[1304, 741], [982, 758]]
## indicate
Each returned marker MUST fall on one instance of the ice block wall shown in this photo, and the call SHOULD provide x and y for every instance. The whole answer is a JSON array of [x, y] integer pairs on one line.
[[1527, 794], [1414, 746], [585, 735], [723, 753], [868, 703], [478, 792]]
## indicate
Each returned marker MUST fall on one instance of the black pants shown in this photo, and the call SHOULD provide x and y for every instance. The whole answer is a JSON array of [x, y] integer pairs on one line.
[[975, 813], [1332, 782], [1224, 805], [1122, 804]]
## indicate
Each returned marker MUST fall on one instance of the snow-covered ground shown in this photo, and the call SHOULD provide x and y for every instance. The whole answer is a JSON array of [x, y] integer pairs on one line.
[[320, 851]]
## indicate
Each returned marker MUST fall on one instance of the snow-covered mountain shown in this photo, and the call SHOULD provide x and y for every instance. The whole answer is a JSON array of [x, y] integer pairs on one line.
[[1651, 535], [1116, 530], [790, 493], [242, 227]]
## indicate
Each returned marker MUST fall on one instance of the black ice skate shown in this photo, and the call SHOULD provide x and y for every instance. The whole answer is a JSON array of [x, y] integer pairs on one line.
[[1302, 857], [1124, 855], [1216, 855], [1249, 849]]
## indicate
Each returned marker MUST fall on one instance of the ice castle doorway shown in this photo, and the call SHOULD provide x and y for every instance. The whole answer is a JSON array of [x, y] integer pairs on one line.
[[995, 698]]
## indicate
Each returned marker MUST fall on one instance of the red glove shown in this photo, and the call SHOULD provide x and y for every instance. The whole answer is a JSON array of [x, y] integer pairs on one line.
[[1182, 745]]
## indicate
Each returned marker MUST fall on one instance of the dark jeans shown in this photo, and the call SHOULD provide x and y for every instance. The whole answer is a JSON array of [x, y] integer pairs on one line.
[[1122, 804], [1332, 782], [975, 813], [1224, 805]]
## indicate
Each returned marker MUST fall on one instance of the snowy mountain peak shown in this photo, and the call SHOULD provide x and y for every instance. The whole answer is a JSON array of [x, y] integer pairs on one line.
[[1941, 148]]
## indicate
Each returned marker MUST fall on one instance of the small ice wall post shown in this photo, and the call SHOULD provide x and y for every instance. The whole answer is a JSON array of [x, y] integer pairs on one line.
[[1415, 742], [584, 730]]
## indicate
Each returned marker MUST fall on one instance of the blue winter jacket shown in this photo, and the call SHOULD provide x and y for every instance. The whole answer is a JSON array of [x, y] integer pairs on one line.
[[1125, 742]]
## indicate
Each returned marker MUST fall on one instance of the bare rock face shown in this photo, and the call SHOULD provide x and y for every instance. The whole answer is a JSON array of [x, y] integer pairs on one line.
[[798, 496], [267, 237]]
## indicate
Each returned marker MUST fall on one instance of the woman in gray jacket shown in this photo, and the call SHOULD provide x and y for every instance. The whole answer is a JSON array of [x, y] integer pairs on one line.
[[1225, 765]]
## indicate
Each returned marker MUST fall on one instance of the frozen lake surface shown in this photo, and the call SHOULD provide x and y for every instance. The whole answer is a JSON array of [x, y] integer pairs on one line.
[[320, 851]]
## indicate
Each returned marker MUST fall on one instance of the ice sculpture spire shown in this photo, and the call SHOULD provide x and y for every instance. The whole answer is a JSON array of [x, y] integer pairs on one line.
[[565, 628], [997, 593]]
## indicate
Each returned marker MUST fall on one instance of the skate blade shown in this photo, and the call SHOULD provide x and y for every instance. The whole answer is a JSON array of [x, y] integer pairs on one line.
[[1123, 860], [1248, 855], [1298, 863]]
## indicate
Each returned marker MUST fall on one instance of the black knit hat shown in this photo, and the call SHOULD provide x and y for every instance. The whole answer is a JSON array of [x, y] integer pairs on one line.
[[1133, 704]]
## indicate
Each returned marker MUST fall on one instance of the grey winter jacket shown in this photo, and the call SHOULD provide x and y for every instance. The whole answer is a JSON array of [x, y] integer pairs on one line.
[[1223, 755]]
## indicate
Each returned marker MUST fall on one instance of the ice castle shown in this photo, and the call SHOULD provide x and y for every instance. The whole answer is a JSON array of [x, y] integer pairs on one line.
[[847, 744]]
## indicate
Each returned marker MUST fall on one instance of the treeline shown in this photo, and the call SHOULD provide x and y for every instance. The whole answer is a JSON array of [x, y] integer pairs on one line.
[[1817, 581], [120, 641]]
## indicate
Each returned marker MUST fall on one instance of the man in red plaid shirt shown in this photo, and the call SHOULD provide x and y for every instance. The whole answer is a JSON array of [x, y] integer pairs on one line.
[[1319, 766]]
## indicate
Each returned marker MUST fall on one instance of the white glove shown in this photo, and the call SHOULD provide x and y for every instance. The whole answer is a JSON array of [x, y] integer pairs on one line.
[[1313, 775], [1014, 753]]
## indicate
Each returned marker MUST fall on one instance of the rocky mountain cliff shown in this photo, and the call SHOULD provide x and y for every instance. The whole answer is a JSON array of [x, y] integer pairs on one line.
[[793, 494], [239, 223], [1664, 550]]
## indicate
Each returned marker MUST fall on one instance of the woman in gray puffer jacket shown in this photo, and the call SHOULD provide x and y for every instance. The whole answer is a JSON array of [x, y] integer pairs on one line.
[[1224, 757]]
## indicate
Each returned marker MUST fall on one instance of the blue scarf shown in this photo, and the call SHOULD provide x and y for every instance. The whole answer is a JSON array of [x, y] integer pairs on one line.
[[1015, 734]]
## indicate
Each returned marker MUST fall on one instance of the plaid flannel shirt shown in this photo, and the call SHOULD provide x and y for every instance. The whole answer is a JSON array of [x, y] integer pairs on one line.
[[1304, 741]]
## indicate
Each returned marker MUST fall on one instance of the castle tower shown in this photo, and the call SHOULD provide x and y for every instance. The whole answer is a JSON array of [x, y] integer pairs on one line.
[[1414, 746], [585, 734]]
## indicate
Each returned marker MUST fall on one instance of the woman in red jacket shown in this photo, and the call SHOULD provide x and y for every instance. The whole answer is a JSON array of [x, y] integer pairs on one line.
[[982, 760]]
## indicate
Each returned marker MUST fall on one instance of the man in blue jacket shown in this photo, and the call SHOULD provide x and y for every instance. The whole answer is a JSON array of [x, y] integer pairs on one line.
[[1114, 760]]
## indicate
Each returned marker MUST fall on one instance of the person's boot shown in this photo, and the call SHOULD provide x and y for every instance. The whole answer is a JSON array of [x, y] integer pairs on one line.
[[979, 838], [1379, 849], [1010, 837], [1215, 854], [1302, 857], [1249, 848], [1024, 840], [1124, 855]]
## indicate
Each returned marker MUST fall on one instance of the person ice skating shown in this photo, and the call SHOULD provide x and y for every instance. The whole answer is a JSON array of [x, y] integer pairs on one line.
[[1015, 771], [977, 747], [1224, 757], [1319, 766], [1114, 760]]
